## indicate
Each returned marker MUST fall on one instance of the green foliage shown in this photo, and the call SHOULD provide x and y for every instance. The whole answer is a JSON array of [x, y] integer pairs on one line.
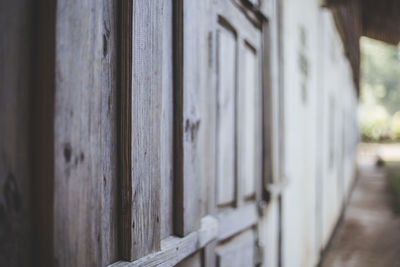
[[395, 126], [374, 122], [380, 90]]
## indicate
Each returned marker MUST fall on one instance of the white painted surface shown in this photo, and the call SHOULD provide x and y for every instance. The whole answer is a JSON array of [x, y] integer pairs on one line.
[[247, 156], [323, 122], [226, 116]]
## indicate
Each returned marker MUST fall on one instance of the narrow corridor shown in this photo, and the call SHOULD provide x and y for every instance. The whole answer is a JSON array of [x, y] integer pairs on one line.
[[369, 235]]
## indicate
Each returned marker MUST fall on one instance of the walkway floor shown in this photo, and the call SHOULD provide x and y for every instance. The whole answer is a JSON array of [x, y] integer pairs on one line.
[[369, 235]]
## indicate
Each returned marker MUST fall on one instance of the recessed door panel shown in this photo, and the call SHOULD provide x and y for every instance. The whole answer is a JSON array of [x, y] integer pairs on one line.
[[226, 76], [248, 122], [238, 252]]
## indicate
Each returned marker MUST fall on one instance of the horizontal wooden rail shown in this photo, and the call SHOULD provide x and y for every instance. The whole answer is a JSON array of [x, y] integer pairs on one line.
[[237, 220], [174, 249]]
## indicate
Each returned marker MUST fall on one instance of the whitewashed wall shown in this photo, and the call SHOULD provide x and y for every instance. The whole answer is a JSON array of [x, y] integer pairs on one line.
[[320, 105]]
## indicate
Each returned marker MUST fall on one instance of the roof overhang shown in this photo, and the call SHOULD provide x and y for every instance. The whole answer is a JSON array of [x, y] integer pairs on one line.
[[381, 20], [378, 19]]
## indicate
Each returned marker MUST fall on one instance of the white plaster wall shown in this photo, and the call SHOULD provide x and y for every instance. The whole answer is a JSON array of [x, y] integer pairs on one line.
[[313, 198], [338, 89], [300, 128]]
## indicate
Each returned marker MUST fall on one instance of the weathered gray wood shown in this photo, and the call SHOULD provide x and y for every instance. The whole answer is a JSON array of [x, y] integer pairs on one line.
[[109, 135], [237, 72], [236, 220], [226, 115], [187, 186], [208, 144], [238, 252], [248, 106], [174, 249], [141, 132], [15, 132], [85, 134], [167, 124]]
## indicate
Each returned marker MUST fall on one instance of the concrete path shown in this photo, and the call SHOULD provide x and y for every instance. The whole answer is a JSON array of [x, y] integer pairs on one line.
[[369, 235]]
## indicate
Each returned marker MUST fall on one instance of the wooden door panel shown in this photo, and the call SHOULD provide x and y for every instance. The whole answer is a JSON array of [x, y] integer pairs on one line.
[[238, 106], [238, 252], [225, 233], [238, 134], [226, 68], [248, 125]]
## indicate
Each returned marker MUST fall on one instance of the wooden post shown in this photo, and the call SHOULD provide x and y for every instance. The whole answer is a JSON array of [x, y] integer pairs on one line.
[[141, 120]]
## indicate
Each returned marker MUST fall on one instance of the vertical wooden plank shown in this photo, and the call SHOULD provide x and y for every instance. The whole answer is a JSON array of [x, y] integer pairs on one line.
[[269, 109], [77, 227], [109, 132], [210, 141], [167, 124], [187, 203], [15, 125], [141, 119], [226, 116], [85, 134]]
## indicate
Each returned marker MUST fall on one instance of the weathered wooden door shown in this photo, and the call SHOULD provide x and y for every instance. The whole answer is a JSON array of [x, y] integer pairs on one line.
[[238, 184], [192, 105]]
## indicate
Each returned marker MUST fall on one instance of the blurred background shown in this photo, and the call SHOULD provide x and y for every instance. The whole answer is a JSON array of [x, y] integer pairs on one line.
[[379, 111], [379, 108], [369, 233]]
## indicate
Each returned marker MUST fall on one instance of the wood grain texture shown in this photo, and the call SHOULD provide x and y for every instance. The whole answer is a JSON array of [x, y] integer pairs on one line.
[[109, 132], [15, 132], [175, 249], [187, 203], [85, 134], [141, 130]]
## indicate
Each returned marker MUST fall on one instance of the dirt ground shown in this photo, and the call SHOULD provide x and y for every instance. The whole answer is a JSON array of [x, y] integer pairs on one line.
[[369, 235]]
